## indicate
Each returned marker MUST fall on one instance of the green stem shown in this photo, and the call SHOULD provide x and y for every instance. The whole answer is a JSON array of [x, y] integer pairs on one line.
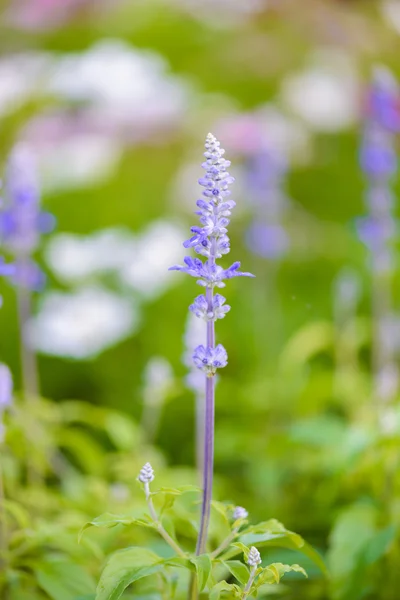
[[3, 522], [247, 589], [224, 544], [193, 589], [158, 523]]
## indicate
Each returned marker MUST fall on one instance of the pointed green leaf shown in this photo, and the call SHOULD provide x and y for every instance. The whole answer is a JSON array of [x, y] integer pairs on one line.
[[238, 570], [108, 520], [203, 568], [274, 573], [223, 586], [125, 567]]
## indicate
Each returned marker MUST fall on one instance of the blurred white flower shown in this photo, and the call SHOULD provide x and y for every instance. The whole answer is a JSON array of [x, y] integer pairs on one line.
[[158, 378], [75, 258], [391, 12], [82, 324], [21, 76], [79, 161], [157, 249], [141, 261], [158, 382], [121, 82], [326, 94]]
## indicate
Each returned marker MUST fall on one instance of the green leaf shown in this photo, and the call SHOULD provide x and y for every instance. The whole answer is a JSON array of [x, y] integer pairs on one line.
[[238, 548], [238, 570], [273, 528], [274, 573], [63, 580], [378, 545], [224, 510], [108, 520], [125, 567], [223, 586], [203, 568], [284, 541], [19, 513]]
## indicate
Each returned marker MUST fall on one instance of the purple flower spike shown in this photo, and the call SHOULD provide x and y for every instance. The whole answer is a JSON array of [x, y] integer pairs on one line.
[[210, 359], [210, 240]]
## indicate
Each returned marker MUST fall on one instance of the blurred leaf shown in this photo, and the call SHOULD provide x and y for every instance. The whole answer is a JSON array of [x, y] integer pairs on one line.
[[378, 545], [312, 339], [17, 511], [64, 580]]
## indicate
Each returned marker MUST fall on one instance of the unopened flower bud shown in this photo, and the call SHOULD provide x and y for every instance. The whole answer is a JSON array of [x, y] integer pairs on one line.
[[146, 473], [254, 557]]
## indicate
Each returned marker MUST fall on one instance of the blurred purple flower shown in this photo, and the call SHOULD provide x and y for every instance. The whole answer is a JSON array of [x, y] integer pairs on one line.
[[6, 392], [375, 233], [265, 172], [6, 386], [383, 101], [21, 220], [268, 241]]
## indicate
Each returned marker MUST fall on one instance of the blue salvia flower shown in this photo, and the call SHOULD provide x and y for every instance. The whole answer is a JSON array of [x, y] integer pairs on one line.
[[379, 163], [6, 392], [265, 173], [211, 241], [378, 230], [6, 270], [21, 220]]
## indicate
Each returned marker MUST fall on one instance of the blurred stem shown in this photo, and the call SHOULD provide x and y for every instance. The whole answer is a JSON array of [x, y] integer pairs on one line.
[[151, 417], [28, 357], [193, 589], [3, 522], [247, 589], [160, 528], [224, 544]]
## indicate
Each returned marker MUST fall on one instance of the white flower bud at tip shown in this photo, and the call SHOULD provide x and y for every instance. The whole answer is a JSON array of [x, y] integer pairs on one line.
[[254, 557], [146, 473]]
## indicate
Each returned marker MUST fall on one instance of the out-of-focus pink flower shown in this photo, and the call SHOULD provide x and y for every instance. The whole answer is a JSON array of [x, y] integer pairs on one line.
[[43, 14]]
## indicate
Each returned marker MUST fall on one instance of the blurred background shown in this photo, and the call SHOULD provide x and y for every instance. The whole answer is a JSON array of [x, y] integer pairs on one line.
[[114, 99]]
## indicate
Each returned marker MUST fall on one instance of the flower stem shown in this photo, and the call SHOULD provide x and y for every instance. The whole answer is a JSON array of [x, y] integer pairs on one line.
[[28, 358], [224, 544], [247, 589], [208, 467], [160, 528], [3, 521]]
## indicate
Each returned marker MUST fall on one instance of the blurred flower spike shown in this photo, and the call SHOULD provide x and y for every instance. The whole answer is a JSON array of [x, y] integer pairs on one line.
[[6, 392], [21, 220]]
